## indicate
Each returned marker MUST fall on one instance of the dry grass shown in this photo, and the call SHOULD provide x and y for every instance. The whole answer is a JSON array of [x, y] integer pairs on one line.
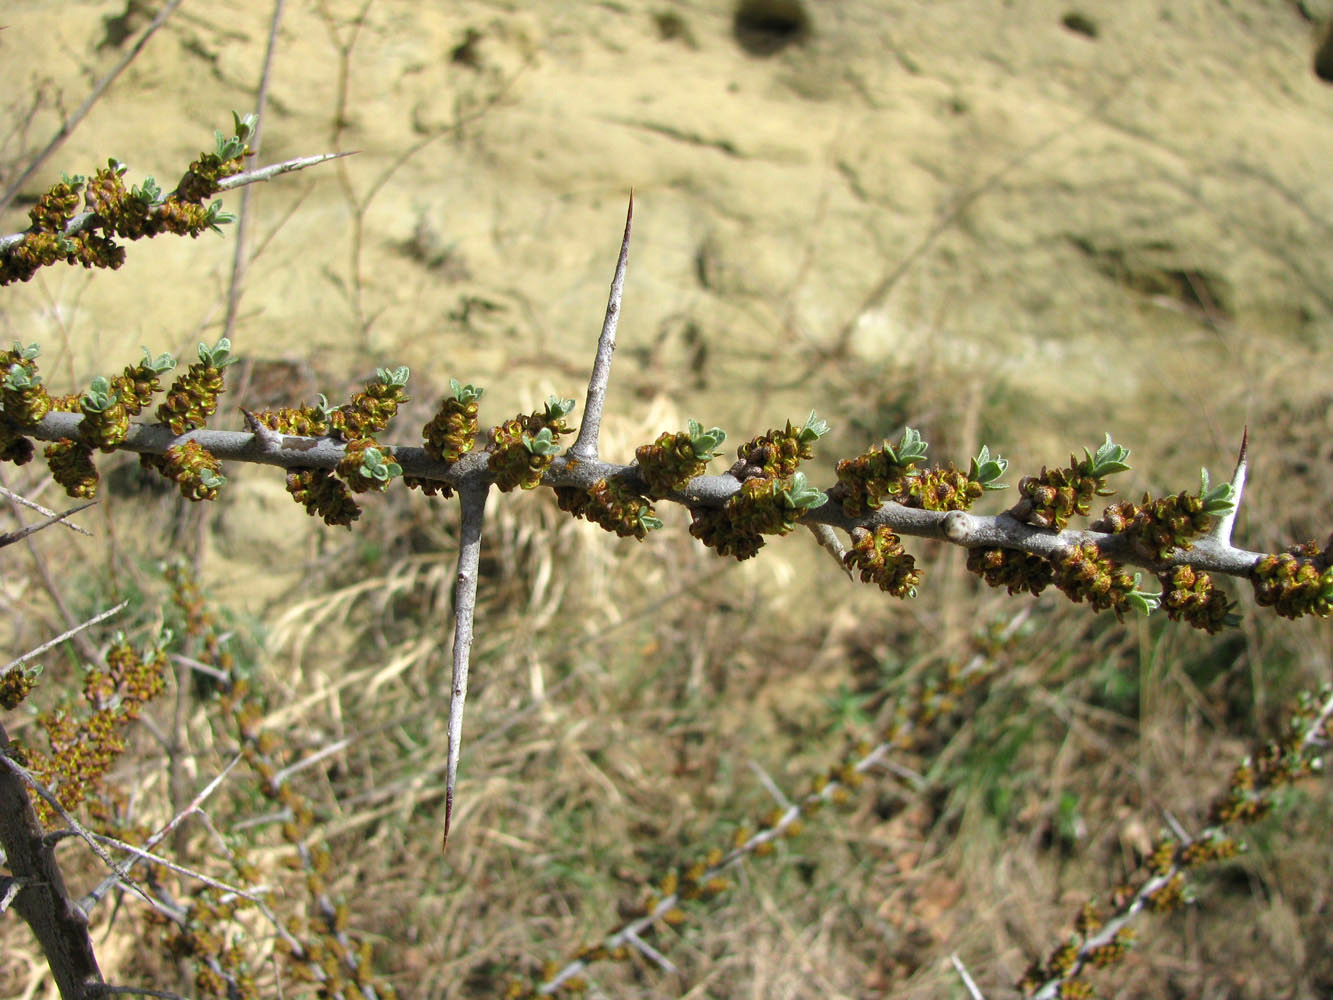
[[623, 693]]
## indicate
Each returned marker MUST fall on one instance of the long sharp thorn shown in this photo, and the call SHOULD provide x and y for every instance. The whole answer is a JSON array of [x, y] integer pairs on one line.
[[585, 447], [1222, 533], [472, 500]]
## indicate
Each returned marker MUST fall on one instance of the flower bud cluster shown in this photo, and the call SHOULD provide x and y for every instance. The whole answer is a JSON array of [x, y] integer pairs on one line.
[[773, 496], [612, 503], [365, 466], [867, 481], [1084, 574], [1050, 499], [1160, 527], [881, 559], [370, 410], [194, 469], [1164, 886], [221, 969], [1249, 794], [1018, 572], [523, 447], [193, 396], [139, 383], [306, 421], [23, 398], [1295, 583], [452, 432], [674, 459], [106, 419], [323, 494], [1189, 595], [16, 684], [71, 465]]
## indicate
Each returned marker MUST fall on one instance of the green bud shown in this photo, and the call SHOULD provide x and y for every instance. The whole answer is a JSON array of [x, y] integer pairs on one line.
[[465, 393], [543, 444], [800, 495], [556, 408], [375, 465], [99, 397], [986, 470]]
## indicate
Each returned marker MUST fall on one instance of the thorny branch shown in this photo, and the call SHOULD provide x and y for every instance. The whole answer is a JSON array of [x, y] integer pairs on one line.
[[289, 451]]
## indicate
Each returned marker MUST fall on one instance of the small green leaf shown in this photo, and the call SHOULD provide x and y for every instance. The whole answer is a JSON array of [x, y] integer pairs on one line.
[[99, 398], [1218, 500], [375, 465], [26, 353], [704, 441], [116, 166], [1110, 458], [149, 193], [647, 521], [19, 378], [157, 365], [987, 470], [392, 376], [465, 393], [801, 495], [542, 444], [910, 449], [216, 217], [219, 356], [230, 147], [72, 181], [212, 480], [556, 408], [813, 430], [1140, 601]]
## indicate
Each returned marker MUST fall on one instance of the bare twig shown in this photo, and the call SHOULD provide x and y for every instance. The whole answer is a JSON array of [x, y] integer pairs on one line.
[[239, 257], [585, 447], [92, 898], [9, 494], [62, 637], [10, 537], [968, 983]]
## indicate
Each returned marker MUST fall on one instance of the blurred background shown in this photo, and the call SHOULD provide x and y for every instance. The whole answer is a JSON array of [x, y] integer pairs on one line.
[[1017, 225]]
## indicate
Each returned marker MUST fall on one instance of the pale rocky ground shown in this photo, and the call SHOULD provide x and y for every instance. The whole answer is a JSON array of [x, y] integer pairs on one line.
[[1081, 206]]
